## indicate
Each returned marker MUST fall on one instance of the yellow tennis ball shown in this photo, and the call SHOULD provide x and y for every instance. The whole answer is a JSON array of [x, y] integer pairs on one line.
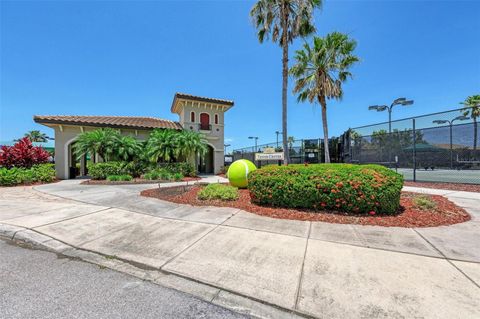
[[238, 172]]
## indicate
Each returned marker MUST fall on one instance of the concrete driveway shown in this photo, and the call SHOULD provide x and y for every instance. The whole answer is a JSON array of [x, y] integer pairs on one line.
[[267, 267]]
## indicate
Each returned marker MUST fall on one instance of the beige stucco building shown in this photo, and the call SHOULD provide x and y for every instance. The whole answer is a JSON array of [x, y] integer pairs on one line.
[[201, 114]]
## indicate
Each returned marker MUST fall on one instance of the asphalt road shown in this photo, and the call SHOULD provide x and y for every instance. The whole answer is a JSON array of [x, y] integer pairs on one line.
[[40, 284]]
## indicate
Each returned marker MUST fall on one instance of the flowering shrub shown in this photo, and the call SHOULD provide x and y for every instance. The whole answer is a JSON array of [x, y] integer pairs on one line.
[[341, 187], [22, 154]]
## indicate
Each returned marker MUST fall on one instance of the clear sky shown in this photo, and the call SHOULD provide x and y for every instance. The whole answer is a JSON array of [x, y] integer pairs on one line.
[[130, 57]]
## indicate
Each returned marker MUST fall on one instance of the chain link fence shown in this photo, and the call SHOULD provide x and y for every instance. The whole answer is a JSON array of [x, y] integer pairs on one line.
[[300, 151], [439, 147]]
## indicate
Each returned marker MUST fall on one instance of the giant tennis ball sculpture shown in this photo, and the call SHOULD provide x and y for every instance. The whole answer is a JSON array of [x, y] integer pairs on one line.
[[238, 172]]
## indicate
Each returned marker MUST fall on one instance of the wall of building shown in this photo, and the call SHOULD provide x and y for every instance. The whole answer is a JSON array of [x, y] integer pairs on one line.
[[215, 136], [65, 135]]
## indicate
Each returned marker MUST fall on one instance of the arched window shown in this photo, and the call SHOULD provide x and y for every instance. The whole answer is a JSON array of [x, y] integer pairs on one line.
[[216, 118], [192, 117], [204, 121]]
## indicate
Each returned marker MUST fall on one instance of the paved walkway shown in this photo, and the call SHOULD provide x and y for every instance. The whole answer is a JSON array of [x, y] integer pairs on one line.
[[313, 268]]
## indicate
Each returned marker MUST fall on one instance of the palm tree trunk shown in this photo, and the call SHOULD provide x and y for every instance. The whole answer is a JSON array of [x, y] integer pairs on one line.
[[323, 104], [475, 134], [286, 159]]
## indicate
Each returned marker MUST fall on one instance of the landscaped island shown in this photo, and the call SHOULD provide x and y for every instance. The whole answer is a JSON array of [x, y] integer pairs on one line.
[[335, 193]]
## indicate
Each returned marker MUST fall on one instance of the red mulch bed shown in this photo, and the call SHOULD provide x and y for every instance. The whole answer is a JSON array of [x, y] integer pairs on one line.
[[445, 212], [453, 186], [134, 181]]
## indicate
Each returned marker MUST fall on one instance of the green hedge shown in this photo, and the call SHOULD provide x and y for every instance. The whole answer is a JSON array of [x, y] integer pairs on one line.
[[44, 173], [119, 178], [341, 187], [165, 171], [102, 170], [184, 168]]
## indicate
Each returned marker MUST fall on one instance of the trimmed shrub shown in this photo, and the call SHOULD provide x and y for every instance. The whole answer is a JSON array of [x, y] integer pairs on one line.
[[134, 168], [102, 170], [43, 173], [177, 177], [119, 178], [218, 191], [37, 173], [342, 187], [184, 168]]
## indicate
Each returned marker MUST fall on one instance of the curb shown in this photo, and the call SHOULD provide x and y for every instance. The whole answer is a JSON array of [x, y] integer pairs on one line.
[[215, 295]]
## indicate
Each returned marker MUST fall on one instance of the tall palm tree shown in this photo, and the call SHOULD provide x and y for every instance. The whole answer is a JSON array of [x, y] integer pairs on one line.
[[102, 141], [472, 109], [283, 21], [128, 148], [320, 70], [36, 136]]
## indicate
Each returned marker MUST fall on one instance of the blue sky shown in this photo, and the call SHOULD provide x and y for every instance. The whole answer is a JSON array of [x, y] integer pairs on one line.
[[130, 57]]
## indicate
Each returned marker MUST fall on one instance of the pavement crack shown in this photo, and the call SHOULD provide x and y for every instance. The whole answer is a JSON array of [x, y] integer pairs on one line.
[[447, 259], [300, 279]]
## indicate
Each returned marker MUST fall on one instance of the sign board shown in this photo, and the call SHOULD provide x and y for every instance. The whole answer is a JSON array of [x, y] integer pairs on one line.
[[269, 150], [228, 159], [269, 156]]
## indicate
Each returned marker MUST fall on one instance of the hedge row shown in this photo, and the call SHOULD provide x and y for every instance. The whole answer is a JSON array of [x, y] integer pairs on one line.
[[342, 187], [105, 169], [44, 173]]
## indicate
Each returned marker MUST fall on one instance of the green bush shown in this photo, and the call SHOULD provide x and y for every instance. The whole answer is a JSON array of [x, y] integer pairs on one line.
[[342, 187], [134, 168], [184, 168], [102, 170], [177, 177], [218, 191], [158, 174], [119, 178], [43, 173], [38, 173]]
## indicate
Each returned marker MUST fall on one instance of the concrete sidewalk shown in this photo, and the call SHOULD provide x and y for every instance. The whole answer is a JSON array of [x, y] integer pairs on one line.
[[266, 266]]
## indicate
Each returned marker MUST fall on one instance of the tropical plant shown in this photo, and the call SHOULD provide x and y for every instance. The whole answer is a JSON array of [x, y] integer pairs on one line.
[[166, 145], [128, 148], [102, 142], [22, 154], [320, 70], [190, 143], [283, 21], [162, 145], [36, 136], [472, 109]]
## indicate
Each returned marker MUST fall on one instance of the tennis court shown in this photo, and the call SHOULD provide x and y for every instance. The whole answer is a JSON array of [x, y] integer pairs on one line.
[[442, 175]]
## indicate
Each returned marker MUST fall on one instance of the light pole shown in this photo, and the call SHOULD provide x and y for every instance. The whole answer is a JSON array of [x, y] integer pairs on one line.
[[278, 133], [225, 148], [380, 108], [450, 123], [254, 138]]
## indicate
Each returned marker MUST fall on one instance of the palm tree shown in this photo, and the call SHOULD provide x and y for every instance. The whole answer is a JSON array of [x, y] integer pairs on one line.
[[190, 143], [320, 71], [472, 109], [36, 136], [283, 21], [102, 142], [162, 145], [128, 148]]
